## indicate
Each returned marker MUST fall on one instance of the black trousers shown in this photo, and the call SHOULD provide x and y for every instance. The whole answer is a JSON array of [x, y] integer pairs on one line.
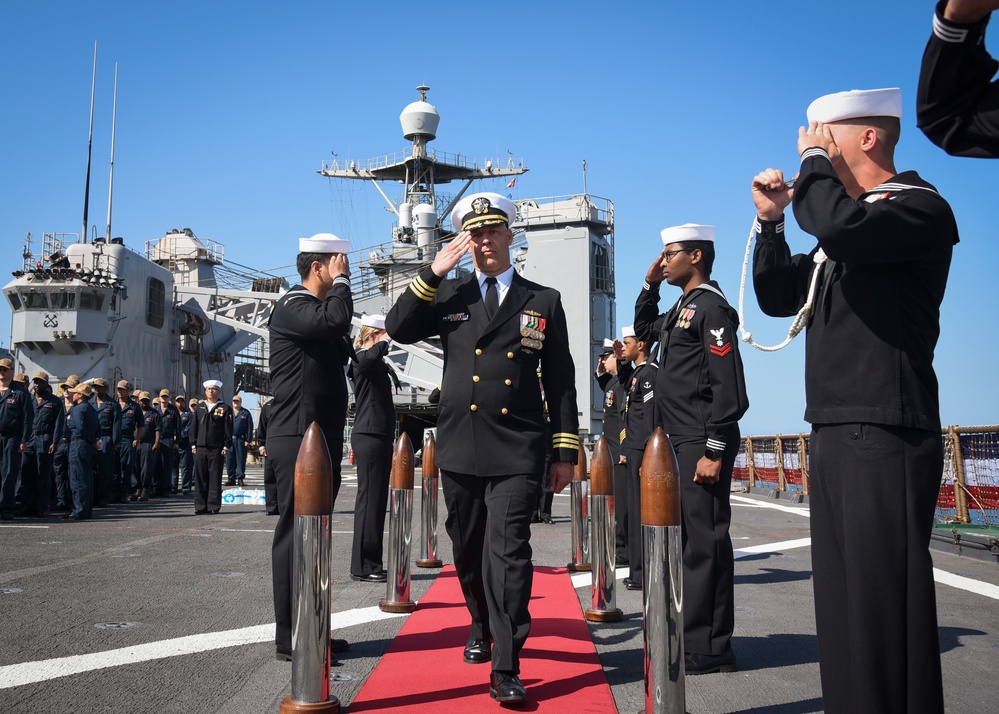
[[208, 478], [873, 491], [636, 561], [270, 487], [620, 498], [489, 523], [374, 469], [708, 560], [282, 452]]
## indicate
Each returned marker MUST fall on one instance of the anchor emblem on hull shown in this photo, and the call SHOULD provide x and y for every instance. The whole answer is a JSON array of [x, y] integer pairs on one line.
[[51, 320]]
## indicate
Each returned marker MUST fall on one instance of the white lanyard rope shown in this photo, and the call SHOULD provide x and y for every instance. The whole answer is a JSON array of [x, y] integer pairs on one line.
[[800, 320]]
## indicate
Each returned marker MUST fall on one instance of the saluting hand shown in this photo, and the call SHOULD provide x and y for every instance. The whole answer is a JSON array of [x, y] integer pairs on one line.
[[339, 265], [655, 272], [449, 255], [969, 10], [818, 135], [770, 194]]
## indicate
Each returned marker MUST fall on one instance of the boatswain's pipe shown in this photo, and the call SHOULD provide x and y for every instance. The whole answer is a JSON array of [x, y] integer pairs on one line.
[[580, 516], [662, 582], [310, 621], [400, 529], [602, 544], [428, 505]]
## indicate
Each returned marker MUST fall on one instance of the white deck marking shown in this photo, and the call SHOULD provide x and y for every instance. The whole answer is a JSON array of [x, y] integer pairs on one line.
[[753, 503], [963, 583], [16, 675]]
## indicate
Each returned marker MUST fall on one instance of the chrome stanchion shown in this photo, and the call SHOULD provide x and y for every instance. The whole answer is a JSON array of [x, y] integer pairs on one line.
[[400, 529], [310, 623], [428, 505], [603, 540], [580, 516], [662, 582]]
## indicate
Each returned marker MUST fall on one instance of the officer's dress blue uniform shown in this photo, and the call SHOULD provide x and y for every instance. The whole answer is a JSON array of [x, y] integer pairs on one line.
[[109, 416], [36, 461], [242, 431], [16, 416], [84, 428], [492, 433]]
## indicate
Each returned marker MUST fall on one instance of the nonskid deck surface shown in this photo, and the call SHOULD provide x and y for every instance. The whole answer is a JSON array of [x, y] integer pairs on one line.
[[149, 608]]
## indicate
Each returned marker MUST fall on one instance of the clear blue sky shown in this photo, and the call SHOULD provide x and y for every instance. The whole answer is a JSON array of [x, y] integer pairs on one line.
[[226, 110]]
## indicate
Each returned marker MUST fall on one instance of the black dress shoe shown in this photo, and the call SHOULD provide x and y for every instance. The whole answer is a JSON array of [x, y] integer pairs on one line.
[[201, 511], [379, 577], [338, 645], [696, 663], [632, 584], [506, 688], [477, 651]]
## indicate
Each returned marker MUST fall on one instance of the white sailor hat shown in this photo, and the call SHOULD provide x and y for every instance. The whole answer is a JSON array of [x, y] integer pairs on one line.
[[375, 321], [323, 243], [628, 331], [855, 104], [212, 383], [687, 232], [482, 209], [608, 344]]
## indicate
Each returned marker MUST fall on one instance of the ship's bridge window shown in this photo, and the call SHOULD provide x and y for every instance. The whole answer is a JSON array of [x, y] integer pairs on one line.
[[92, 300], [63, 300], [35, 300], [155, 303], [15, 301], [601, 277]]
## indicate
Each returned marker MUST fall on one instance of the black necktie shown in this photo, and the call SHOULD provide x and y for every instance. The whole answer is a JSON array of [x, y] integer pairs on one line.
[[492, 297]]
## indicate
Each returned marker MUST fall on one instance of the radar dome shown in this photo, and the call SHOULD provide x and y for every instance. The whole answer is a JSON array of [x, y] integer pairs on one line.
[[420, 118]]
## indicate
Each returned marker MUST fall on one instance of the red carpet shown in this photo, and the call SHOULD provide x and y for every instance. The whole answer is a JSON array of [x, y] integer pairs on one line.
[[423, 669]]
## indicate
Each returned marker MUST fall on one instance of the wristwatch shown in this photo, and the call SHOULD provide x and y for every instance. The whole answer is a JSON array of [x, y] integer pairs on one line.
[[713, 454]]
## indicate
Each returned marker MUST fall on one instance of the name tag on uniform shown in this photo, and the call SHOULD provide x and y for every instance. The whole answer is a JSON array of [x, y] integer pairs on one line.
[[456, 317]]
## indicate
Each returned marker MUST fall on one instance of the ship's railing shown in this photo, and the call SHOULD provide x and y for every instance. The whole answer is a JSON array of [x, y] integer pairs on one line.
[[969, 484], [573, 207], [398, 157]]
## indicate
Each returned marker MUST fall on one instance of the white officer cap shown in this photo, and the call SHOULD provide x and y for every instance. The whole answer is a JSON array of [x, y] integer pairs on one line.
[[687, 232], [375, 321], [628, 331], [482, 209], [212, 383], [323, 243], [855, 104]]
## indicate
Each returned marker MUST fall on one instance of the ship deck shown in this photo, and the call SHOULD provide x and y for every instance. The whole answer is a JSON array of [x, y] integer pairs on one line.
[[148, 608]]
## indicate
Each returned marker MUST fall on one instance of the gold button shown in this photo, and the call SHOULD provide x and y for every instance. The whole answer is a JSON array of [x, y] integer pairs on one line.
[[478, 352], [509, 382], [505, 410], [475, 378], [510, 355], [474, 408]]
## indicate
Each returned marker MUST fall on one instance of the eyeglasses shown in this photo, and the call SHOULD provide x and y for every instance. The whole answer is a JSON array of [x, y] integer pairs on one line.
[[668, 255]]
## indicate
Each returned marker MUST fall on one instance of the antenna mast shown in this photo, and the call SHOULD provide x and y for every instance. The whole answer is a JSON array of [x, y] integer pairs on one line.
[[114, 116], [90, 142]]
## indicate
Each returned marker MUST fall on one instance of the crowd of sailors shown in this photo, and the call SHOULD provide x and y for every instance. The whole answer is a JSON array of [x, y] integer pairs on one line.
[[79, 447]]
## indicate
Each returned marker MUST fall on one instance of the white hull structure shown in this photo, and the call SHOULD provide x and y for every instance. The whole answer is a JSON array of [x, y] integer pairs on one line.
[[157, 320]]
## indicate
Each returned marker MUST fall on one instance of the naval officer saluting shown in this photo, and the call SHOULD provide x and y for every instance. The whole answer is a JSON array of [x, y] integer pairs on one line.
[[495, 328]]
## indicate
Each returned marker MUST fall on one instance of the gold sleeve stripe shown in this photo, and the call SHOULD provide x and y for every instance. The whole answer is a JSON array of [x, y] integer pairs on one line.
[[422, 290], [565, 440], [622, 435]]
